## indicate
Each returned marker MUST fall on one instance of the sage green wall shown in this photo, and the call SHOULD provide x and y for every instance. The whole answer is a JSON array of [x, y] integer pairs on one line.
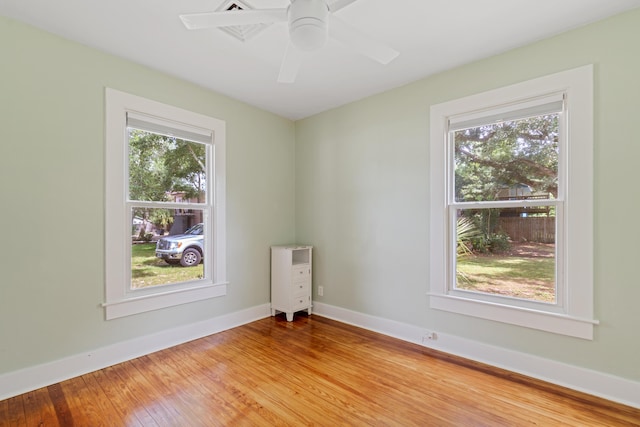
[[52, 192], [362, 196]]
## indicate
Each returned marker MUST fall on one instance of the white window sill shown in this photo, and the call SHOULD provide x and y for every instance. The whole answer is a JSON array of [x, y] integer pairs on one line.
[[545, 321], [142, 303]]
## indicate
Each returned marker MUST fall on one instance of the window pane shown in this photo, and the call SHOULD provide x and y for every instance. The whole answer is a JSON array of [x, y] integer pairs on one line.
[[166, 169], [167, 246], [507, 252], [507, 160]]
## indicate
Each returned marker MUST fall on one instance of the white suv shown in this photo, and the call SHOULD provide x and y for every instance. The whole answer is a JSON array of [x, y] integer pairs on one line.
[[185, 249]]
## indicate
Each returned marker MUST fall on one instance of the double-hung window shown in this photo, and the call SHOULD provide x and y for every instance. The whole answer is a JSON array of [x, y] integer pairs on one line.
[[511, 193], [165, 197]]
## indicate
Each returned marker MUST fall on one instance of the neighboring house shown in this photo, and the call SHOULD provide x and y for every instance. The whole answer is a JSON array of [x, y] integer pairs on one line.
[[522, 192], [514, 191], [137, 225], [184, 218], [526, 223]]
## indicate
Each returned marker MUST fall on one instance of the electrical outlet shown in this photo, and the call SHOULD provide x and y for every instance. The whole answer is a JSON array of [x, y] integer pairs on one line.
[[429, 336], [320, 291]]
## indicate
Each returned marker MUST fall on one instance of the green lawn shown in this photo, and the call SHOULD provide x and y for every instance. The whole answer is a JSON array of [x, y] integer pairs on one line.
[[530, 278], [147, 270]]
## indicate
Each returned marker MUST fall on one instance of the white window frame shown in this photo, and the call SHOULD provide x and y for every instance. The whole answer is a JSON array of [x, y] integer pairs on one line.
[[572, 314], [121, 300]]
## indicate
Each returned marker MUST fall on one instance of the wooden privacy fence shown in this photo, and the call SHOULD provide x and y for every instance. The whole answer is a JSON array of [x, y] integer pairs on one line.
[[529, 229]]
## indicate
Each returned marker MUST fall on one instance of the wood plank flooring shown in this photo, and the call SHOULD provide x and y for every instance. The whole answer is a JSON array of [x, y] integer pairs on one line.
[[313, 371]]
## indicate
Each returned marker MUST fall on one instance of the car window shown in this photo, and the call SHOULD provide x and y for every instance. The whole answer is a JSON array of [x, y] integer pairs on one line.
[[195, 230]]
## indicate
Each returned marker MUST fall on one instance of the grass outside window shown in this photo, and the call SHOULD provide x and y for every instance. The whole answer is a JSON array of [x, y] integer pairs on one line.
[[148, 270], [527, 271]]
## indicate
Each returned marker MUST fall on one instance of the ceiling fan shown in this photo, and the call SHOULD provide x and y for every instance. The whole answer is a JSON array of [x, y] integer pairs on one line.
[[310, 22]]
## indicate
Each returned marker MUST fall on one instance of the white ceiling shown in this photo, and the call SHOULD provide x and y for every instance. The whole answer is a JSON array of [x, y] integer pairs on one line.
[[431, 36]]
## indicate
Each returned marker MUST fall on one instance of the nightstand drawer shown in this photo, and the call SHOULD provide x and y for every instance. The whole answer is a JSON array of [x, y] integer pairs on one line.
[[301, 287], [301, 302], [298, 273]]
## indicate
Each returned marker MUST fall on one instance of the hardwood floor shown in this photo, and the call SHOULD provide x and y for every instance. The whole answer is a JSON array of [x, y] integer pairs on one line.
[[313, 371]]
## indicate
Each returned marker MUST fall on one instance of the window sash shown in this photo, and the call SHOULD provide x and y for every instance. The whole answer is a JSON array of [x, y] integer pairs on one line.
[[551, 104], [168, 128], [538, 106], [209, 265], [560, 280]]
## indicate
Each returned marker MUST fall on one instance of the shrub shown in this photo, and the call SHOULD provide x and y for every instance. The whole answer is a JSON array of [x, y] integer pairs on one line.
[[499, 242], [494, 242], [466, 232]]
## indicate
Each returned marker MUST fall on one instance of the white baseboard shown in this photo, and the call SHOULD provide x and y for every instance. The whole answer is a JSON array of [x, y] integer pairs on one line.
[[24, 380], [588, 381], [592, 382]]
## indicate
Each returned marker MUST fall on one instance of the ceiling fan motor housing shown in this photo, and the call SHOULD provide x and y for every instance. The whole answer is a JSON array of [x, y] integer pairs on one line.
[[308, 24]]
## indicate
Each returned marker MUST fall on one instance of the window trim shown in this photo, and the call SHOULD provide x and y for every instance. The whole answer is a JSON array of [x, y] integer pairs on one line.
[[120, 299], [575, 317]]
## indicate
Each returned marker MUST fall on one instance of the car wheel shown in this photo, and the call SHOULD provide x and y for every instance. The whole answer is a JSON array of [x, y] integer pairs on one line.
[[172, 261], [190, 257]]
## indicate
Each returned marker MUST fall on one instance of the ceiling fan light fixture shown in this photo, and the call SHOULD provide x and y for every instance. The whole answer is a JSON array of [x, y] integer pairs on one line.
[[308, 34], [308, 24]]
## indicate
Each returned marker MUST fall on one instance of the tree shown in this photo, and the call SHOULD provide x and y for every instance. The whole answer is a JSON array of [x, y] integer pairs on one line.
[[147, 172], [160, 166], [501, 155], [495, 157], [186, 164]]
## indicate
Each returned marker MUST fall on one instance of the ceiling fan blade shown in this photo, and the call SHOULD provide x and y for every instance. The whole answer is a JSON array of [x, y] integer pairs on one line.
[[196, 21], [340, 4], [360, 42], [290, 64]]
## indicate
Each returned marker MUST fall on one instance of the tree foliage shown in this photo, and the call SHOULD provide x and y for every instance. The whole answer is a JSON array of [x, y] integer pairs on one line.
[[501, 155], [496, 160], [161, 167]]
